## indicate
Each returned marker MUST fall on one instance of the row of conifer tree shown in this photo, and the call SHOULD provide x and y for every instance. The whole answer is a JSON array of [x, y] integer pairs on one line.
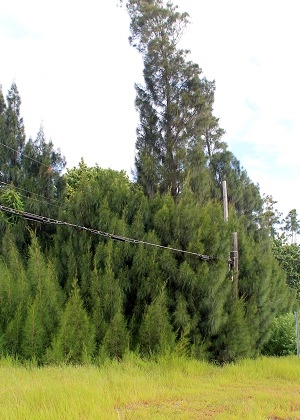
[[70, 295]]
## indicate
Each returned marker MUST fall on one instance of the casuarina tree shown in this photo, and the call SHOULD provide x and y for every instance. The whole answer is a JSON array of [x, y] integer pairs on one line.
[[175, 102]]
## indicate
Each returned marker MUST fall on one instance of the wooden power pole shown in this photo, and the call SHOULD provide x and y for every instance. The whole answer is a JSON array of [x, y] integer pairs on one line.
[[297, 333], [235, 258], [225, 201]]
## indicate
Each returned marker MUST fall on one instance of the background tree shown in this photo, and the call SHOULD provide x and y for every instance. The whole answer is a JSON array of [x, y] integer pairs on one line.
[[31, 169], [42, 167], [12, 136], [291, 225], [243, 194], [288, 256], [271, 217], [282, 341]]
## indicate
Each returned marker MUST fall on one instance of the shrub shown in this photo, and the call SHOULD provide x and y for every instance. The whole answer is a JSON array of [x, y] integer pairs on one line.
[[282, 341]]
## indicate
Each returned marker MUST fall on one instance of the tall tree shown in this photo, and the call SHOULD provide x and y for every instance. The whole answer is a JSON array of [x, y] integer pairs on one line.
[[270, 217], [42, 167], [243, 194], [15, 294], [2, 102], [156, 335], [45, 305], [116, 340], [288, 256], [175, 104], [74, 342], [12, 136], [291, 225], [2, 132]]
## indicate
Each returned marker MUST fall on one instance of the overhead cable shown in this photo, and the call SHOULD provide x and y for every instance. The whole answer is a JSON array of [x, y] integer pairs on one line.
[[24, 155], [48, 220], [48, 200]]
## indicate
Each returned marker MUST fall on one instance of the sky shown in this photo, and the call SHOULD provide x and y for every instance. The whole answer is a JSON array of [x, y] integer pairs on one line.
[[75, 72]]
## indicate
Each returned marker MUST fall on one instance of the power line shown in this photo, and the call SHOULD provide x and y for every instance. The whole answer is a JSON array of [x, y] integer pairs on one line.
[[48, 200], [47, 220], [23, 155]]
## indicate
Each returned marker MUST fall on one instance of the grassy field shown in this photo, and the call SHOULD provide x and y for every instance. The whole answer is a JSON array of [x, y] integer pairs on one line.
[[172, 388]]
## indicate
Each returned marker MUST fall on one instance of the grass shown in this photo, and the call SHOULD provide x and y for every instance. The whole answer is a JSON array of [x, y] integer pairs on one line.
[[172, 388]]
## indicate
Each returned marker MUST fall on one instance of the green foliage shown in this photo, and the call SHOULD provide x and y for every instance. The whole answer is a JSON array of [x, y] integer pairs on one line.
[[14, 292], [288, 256], [11, 198], [292, 225], [41, 174], [33, 343], [116, 340], [243, 194], [175, 103], [106, 294], [74, 342], [30, 172], [262, 285], [155, 334], [45, 310], [12, 136], [233, 342], [149, 294], [270, 218], [282, 341]]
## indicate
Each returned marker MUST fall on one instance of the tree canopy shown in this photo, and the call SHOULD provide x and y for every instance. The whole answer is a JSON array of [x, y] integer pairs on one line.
[[79, 291]]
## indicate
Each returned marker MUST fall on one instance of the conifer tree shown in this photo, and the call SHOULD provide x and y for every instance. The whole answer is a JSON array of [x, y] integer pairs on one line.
[[146, 282], [34, 334], [42, 167], [45, 305], [2, 103], [107, 299], [292, 225], [15, 294], [2, 128], [156, 335], [12, 135], [288, 256], [233, 342], [116, 340], [175, 104], [271, 217], [262, 285], [74, 342], [243, 194]]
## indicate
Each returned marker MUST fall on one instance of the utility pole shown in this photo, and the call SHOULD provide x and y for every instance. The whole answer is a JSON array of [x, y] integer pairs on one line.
[[225, 209], [225, 201], [235, 277], [234, 257], [297, 333]]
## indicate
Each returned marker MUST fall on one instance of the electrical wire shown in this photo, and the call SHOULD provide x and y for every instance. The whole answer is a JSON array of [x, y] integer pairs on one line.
[[48, 200], [23, 155], [42, 219], [47, 220]]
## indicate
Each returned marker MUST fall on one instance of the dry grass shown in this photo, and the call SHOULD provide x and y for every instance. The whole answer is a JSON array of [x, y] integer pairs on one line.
[[172, 388]]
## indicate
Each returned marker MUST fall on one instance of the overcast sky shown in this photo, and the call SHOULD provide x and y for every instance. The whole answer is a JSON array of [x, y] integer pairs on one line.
[[75, 72]]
